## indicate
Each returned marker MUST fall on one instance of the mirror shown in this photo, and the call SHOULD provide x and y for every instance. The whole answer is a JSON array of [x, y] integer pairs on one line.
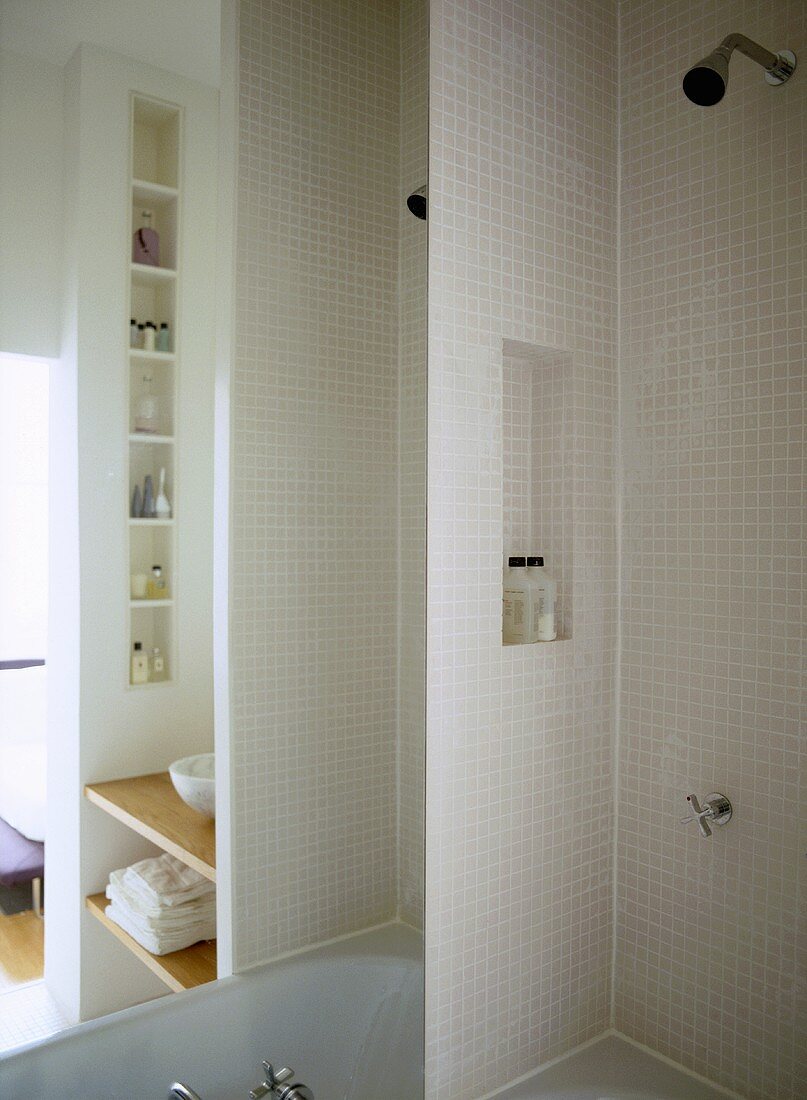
[[217, 255]]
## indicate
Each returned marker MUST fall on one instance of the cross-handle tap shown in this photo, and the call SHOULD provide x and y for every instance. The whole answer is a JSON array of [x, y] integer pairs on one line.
[[717, 811], [274, 1085]]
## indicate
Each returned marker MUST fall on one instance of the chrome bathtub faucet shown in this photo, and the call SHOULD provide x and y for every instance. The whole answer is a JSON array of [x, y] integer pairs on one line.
[[717, 811], [274, 1085], [182, 1092]]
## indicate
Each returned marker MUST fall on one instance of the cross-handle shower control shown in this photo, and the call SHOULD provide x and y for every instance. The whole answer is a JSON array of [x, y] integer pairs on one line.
[[717, 811], [274, 1085]]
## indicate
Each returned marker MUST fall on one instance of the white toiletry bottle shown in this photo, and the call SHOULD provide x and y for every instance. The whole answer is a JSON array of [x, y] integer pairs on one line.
[[156, 585], [140, 665], [517, 615], [146, 408], [157, 665], [544, 598]]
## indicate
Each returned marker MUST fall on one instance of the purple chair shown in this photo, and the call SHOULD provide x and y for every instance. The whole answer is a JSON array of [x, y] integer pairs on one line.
[[21, 860]]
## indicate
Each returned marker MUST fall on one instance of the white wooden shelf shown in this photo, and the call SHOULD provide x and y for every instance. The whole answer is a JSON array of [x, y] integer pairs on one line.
[[151, 603], [146, 191], [147, 437], [150, 522], [147, 275], [143, 356]]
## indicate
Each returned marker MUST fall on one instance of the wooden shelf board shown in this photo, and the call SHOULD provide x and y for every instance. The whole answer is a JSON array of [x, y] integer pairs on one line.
[[151, 603], [149, 805], [150, 522], [180, 970]]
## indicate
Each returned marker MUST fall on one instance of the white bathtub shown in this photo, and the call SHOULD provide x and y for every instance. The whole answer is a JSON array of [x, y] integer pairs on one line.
[[347, 1018]]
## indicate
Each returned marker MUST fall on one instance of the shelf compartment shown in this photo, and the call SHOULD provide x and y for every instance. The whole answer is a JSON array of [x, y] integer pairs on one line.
[[148, 456], [155, 142], [149, 805], [153, 297], [540, 387], [148, 546], [151, 624], [180, 970], [163, 220]]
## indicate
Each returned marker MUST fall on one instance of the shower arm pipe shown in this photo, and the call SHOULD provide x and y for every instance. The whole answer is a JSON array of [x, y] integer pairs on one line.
[[768, 60]]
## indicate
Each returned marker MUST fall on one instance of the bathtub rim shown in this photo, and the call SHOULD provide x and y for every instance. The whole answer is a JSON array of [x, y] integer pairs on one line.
[[384, 945]]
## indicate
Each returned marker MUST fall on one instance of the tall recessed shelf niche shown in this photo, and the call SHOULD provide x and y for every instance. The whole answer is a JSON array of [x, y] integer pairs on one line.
[[540, 460], [154, 187]]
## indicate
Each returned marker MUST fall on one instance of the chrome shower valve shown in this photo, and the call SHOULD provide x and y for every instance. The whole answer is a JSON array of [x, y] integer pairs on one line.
[[274, 1085], [716, 811]]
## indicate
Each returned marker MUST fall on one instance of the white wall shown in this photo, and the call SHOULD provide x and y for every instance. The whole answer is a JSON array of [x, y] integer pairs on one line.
[[31, 214], [313, 538], [522, 246], [181, 36], [99, 728], [714, 403]]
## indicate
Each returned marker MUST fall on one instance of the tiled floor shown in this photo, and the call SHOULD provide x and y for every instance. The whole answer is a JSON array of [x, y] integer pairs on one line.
[[612, 1070], [28, 1013]]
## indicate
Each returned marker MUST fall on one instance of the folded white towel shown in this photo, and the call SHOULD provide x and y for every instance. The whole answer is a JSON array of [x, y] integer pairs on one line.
[[164, 881], [158, 918], [159, 944]]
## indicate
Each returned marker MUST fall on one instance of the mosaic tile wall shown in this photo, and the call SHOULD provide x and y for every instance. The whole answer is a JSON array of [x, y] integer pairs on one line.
[[413, 274], [522, 240], [314, 451], [712, 934]]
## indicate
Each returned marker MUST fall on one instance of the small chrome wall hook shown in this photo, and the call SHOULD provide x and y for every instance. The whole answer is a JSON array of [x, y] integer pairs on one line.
[[716, 811]]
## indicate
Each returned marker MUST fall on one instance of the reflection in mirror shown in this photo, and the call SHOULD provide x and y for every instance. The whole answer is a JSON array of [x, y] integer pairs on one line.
[[232, 443]]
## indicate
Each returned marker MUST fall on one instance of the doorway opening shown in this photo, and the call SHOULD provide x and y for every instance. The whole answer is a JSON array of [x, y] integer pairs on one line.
[[26, 1011]]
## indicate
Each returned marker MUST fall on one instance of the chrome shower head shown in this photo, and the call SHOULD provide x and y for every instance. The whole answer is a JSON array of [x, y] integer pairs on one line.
[[418, 202], [705, 83]]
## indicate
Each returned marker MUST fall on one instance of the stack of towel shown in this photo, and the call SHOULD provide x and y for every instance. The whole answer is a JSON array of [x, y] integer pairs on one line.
[[162, 904]]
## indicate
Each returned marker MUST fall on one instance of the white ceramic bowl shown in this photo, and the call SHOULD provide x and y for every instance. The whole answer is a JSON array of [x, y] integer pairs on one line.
[[194, 779]]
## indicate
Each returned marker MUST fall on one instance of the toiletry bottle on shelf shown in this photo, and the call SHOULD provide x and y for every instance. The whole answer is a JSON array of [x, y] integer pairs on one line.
[[162, 508], [164, 338], [157, 665], [141, 328], [146, 243], [544, 598], [146, 408], [157, 587], [133, 333], [140, 665], [136, 508], [148, 499], [150, 336], [517, 603]]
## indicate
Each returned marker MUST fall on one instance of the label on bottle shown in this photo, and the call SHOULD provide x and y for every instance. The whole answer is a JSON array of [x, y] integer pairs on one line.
[[515, 614], [545, 616]]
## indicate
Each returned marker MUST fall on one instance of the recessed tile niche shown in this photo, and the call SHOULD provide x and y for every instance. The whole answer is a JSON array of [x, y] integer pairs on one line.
[[538, 386]]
